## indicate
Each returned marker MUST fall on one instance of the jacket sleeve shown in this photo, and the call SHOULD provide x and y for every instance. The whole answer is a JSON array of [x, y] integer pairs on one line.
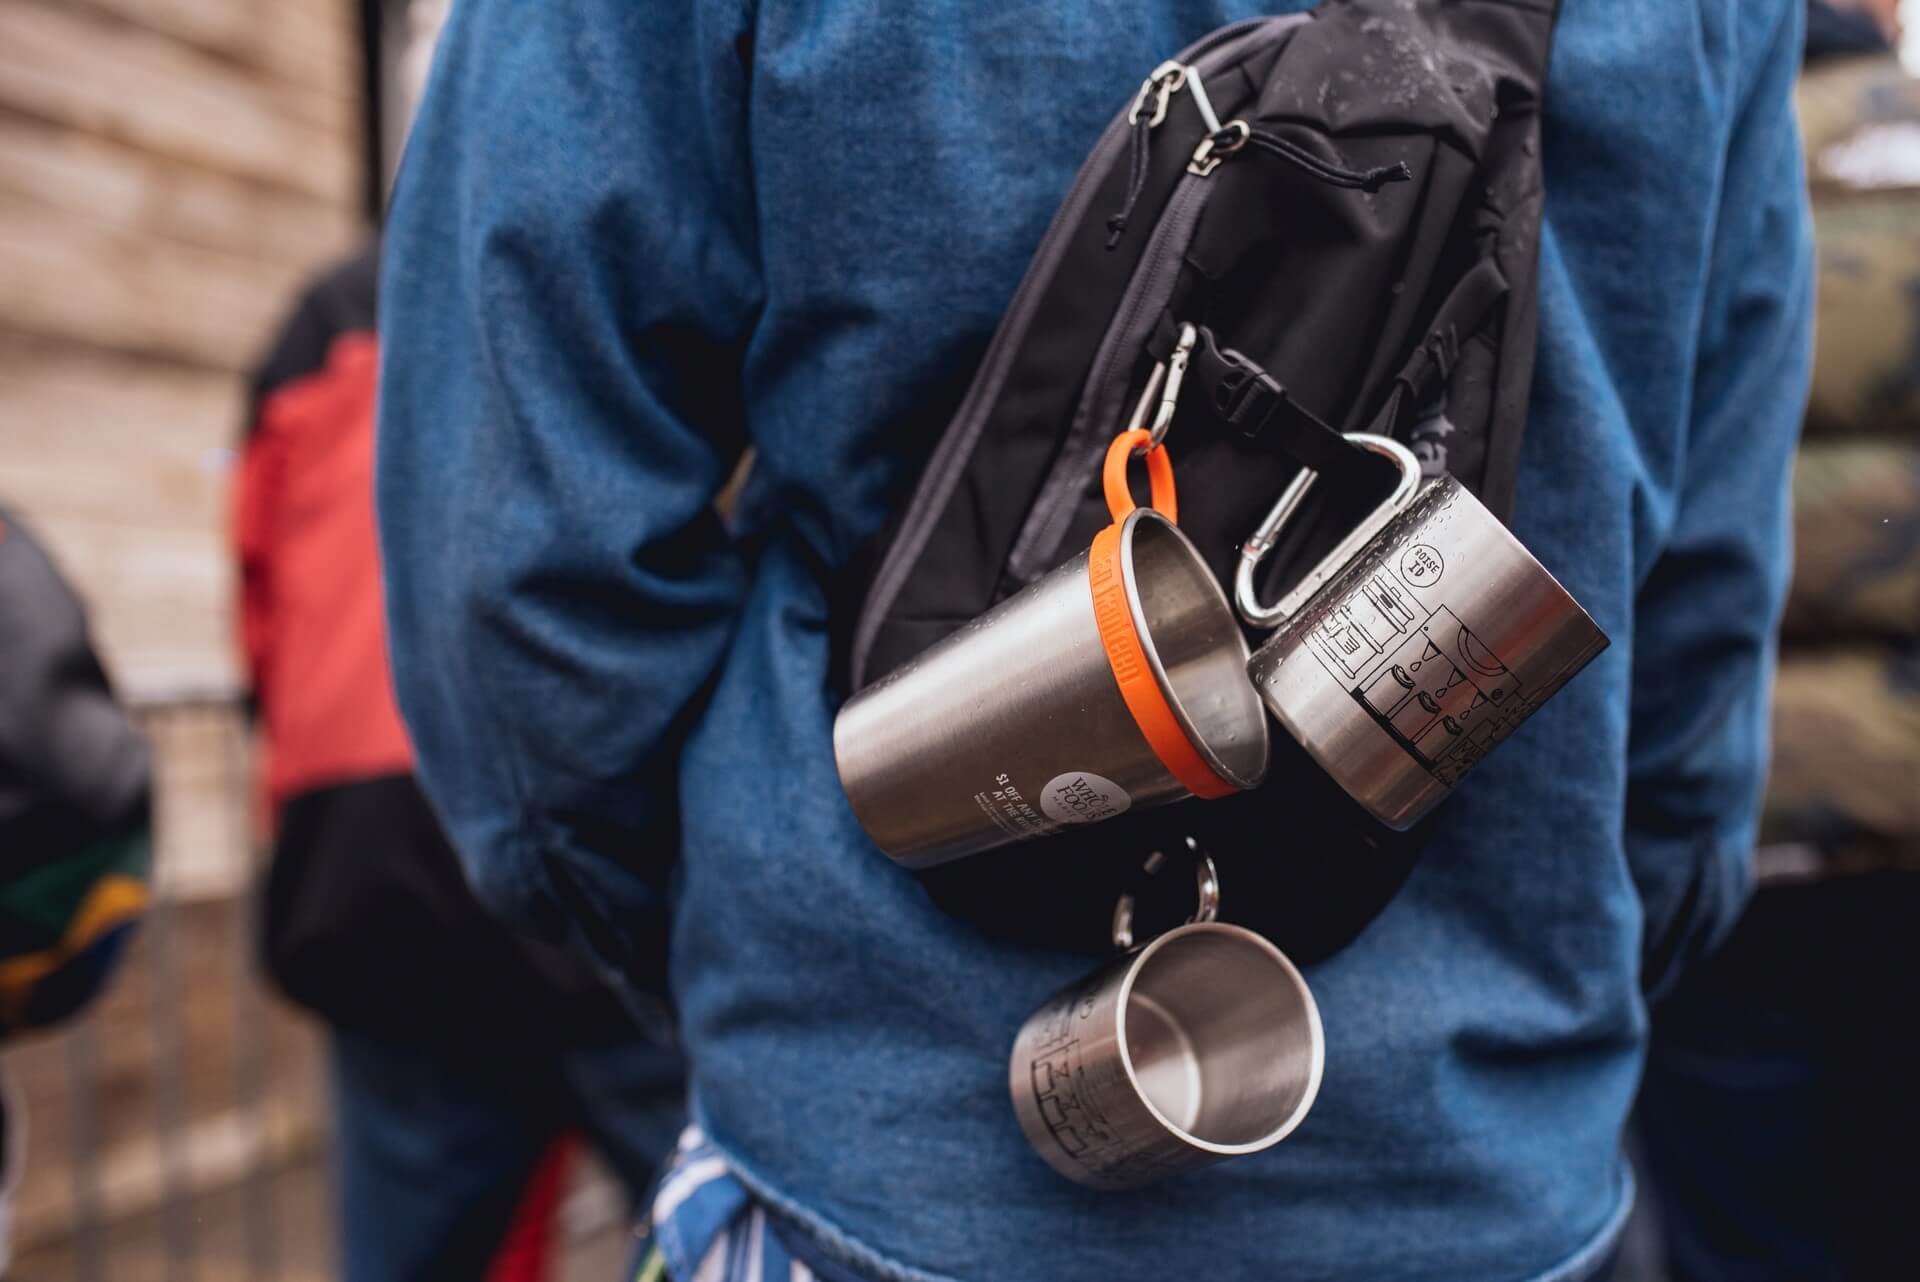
[[569, 282], [1706, 614]]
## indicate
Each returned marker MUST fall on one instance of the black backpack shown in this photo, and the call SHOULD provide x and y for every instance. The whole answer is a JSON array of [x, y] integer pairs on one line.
[[1331, 221]]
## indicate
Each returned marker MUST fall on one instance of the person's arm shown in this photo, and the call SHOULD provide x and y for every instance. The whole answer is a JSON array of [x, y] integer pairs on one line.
[[1705, 617], [569, 282], [252, 506]]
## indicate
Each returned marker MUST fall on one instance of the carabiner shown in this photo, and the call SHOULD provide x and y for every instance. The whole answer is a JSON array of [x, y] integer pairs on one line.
[[1256, 548], [1175, 373], [1166, 80]]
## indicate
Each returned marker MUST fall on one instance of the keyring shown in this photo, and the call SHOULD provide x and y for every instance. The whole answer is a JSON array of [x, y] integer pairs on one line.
[[1113, 476], [1206, 893]]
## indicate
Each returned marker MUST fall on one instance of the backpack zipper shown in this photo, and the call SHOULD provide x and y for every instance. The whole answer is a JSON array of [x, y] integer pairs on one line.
[[1097, 415], [1096, 418], [941, 472]]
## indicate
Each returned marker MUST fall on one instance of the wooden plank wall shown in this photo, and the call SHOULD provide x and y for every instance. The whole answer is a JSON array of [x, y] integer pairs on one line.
[[170, 172]]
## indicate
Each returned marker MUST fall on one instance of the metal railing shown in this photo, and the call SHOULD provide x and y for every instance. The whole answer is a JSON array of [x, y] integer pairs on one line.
[[178, 1128], [230, 1084]]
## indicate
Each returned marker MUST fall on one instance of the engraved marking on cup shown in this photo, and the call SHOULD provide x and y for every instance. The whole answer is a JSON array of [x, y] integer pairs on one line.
[[1445, 696], [1060, 1089], [1422, 565], [1354, 636], [1110, 611]]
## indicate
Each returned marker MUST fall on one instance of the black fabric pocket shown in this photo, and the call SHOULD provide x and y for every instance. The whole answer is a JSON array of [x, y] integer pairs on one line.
[[367, 920]]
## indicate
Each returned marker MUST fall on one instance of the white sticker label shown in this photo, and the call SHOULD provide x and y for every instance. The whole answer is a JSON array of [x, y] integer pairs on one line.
[[1079, 797]]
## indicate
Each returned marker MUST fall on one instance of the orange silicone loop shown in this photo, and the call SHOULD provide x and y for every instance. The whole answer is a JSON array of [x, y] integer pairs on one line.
[[1159, 476], [1128, 659]]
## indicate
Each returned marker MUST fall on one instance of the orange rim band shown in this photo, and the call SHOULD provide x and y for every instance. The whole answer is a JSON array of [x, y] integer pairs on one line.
[[1113, 477], [1128, 659]]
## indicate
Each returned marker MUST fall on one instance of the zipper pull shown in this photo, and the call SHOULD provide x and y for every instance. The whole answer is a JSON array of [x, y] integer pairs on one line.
[[1167, 79], [1221, 140], [1217, 146], [1156, 89]]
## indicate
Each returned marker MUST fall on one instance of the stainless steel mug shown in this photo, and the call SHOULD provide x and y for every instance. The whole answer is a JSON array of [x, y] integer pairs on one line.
[[1414, 648], [1203, 1045], [1117, 681]]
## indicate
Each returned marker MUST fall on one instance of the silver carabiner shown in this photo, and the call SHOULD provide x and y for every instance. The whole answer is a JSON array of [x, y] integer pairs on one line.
[[1176, 368], [1256, 548], [1166, 80], [1162, 393]]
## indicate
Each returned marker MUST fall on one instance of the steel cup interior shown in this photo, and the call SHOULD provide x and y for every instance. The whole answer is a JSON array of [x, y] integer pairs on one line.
[[1194, 645], [1222, 1038]]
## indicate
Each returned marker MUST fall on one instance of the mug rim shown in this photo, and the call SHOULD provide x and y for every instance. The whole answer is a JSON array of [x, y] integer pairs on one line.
[[1316, 1070], [1203, 575]]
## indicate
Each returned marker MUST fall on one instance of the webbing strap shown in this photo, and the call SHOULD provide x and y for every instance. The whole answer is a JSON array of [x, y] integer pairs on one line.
[[1242, 396]]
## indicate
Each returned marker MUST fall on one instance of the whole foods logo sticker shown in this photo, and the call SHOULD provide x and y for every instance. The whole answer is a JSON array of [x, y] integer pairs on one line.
[[1081, 797]]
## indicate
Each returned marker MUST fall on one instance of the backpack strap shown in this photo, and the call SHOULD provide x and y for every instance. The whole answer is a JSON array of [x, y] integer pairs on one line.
[[1243, 397]]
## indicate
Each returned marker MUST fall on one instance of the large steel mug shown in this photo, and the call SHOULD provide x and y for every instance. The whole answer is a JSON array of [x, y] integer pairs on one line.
[[1115, 682], [1418, 645], [1203, 1045]]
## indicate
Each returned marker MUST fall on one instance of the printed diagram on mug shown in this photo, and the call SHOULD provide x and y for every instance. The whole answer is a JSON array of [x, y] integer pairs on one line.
[[1068, 1105], [1420, 672], [1075, 1124]]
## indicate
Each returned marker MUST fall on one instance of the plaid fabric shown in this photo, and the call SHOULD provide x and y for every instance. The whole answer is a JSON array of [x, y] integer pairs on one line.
[[706, 1227]]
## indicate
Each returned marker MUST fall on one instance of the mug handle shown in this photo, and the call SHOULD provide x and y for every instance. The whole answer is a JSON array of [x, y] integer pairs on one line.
[[1206, 893]]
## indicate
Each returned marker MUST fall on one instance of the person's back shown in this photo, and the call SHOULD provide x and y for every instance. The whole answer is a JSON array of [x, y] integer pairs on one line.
[[627, 243], [463, 1057]]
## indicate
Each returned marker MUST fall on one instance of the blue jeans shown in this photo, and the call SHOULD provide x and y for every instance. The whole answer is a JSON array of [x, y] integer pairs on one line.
[[433, 1145]]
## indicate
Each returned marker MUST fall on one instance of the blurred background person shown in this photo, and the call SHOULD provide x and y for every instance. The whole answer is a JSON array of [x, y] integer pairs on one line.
[[461, 1053], [75, 783], [463, 1056], [1778, 1115]]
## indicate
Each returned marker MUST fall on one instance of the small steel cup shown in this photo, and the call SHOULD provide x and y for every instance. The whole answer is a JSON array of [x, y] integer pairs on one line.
[[1417, 647], [1203, 1045], [1028, 719]]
